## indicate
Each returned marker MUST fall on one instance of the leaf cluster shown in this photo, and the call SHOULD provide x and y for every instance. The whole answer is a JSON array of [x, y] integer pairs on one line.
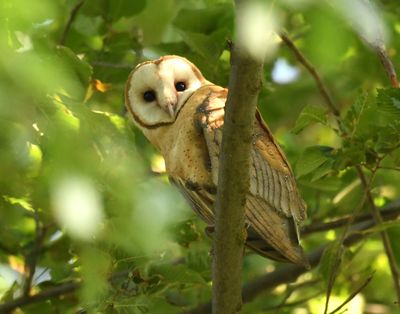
[[63, 67]]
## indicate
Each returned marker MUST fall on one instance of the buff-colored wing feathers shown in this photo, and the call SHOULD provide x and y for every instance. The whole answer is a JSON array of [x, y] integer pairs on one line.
[[274, 208], [279, 186], [200, 200], [279, 230]]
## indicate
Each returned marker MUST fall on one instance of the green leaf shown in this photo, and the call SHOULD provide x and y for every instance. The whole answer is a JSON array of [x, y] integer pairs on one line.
[[310, 114], [113, 9], [95, 266], [204, 21], [388, 138], [382, 227], [353, 116], [185, 233], [312, 158], [81, 69], [208, 46], [177, 274], [322, 170], [394, 234], [328, 184], [388, 101], [330, 261]]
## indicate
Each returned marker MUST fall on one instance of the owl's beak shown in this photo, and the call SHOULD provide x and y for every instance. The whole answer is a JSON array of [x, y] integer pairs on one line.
[[171, 110]]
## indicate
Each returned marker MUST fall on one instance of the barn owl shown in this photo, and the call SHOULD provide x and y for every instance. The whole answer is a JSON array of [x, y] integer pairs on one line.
[[182, 115]]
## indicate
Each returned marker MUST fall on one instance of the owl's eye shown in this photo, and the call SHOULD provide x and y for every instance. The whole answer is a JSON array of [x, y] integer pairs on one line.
[[149, 96], [180, 86]]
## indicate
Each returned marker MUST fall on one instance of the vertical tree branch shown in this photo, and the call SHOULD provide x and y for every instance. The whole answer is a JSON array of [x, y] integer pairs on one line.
[[233, 180]]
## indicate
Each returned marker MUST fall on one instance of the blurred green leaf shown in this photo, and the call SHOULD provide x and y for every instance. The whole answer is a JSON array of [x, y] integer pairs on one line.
[[382, 226], [353, 116], [310, 114], [95, 268], [312, 158], [185, 233], [61, 113], [394, 234], [330, 263], [208, 46], [327, 184], [79, 69], [113, 10], [388, 101], [205, 21], [177, 274]]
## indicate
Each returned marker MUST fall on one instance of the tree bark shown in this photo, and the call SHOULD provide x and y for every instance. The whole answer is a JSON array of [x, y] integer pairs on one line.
[[233, 181]]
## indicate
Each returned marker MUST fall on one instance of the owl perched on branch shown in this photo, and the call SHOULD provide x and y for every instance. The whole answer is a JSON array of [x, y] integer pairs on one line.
[[182, 115]]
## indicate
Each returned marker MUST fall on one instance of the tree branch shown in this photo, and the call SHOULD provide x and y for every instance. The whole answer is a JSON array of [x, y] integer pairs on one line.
[[33, 256], [54, 292], [353, 294], [47, 294], [71, 19], [311, 69], [233, 179], [391, 212], [388, 65]]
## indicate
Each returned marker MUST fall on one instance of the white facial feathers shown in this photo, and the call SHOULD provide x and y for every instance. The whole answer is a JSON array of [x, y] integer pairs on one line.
[[156, 90]]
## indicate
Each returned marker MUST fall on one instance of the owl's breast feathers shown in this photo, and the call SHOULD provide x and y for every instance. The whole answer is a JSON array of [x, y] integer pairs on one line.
[[274, 209]]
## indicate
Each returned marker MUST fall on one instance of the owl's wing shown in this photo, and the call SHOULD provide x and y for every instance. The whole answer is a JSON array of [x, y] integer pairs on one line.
[[200, 200], [271, 176], [274, 208]]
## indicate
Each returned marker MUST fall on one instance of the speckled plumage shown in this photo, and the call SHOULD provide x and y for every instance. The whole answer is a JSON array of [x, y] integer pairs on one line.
[[186, 127]]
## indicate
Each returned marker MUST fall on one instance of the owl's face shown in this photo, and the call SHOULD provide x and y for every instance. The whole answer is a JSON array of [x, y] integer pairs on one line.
[[157, 90]]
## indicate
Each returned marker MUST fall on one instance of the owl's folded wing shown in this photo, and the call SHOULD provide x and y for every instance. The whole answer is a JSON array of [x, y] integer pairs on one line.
[[271, 176], [273, 206]]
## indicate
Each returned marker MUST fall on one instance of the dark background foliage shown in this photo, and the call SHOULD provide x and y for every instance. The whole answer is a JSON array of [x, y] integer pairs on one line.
[[88, 219]]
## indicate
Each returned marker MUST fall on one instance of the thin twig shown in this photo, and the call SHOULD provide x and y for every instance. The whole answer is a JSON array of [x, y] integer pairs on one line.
[[33, 256], [292, 304], [338, 256], [53, 292], [389, 214], [388, 65], [385, 237], [353, 294], [289, 291], [311, 69], [389, 168], [41, 296], [71, 19]]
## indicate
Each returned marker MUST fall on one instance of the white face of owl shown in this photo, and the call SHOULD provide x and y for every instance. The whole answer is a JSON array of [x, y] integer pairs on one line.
[[157, 90]]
